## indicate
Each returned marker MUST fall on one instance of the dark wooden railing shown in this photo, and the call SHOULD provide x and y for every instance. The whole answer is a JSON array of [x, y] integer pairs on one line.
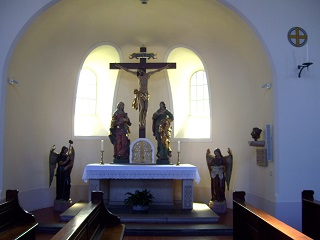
[[310, 214], [15, 222], [94, 221], [250, 222]]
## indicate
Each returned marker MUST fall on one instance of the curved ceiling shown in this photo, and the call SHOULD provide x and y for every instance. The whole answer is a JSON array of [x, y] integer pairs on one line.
[[128, 22]]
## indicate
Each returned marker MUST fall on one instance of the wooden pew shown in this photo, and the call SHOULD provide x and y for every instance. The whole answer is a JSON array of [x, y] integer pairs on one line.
[[15, 222], [252, 223], [94, 221], [310, 214]]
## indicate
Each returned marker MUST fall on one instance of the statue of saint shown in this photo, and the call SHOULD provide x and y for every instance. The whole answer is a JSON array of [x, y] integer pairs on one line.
[[161, 128], [142, 96], [220, 169], [64, 160], [119, 132]]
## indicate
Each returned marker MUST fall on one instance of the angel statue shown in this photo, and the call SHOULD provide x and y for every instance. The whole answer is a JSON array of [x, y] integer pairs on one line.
[[220, 169], [62, 162]]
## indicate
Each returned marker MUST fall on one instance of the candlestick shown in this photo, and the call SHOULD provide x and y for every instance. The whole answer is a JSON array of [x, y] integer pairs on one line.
[[178, 146], [102, 145], [101, 158]]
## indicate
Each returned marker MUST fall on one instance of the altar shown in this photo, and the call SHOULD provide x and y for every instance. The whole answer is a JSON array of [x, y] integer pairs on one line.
[[117, 179]]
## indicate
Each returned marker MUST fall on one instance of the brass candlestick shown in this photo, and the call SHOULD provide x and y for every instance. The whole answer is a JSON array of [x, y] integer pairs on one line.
[[178, 162], [101, 158]]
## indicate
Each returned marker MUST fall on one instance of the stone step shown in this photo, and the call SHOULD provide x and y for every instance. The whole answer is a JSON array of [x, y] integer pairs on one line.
[[200, 213], [134, 229]]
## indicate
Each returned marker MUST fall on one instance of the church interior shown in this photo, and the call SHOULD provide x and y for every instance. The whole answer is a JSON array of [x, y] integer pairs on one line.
[[251, 63]]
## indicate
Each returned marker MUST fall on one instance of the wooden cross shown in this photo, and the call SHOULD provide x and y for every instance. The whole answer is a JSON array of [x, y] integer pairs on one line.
[[142, 66]]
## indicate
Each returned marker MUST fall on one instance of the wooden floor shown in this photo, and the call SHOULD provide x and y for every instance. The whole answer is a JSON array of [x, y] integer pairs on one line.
[[48, 215]]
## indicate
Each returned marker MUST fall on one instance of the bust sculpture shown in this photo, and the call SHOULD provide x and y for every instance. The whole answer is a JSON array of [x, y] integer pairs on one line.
[[256, 133]]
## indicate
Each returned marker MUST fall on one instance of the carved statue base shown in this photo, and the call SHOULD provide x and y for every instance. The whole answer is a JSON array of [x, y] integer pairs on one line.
[[62, 205], [120, 161], [218, 207], [163, 161]]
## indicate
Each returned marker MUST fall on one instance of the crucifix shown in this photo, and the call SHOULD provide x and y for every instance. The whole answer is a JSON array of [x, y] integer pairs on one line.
[[142, 96]]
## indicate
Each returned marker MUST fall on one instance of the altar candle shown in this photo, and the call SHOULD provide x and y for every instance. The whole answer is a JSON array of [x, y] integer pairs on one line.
[[101, 145], [178, 146], [307, 49]]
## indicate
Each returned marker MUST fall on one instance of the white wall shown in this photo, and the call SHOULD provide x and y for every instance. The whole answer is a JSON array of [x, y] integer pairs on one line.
[[296, 99], [12, 22]]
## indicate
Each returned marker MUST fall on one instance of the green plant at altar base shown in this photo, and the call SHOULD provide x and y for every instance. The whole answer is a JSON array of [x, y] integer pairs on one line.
[[139, 198]]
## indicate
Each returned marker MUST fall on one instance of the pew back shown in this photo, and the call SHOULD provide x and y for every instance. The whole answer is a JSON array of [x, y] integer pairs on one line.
[[92, 222], [310, 214], [15, 222], [252, 223]]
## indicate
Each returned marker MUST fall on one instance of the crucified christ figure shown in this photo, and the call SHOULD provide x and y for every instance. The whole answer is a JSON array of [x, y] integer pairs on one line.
[[142, 96]]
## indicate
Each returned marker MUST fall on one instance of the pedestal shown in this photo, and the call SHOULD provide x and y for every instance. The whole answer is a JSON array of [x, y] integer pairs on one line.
[[120, 161], [62, 205], [218, 207], [163, 161]]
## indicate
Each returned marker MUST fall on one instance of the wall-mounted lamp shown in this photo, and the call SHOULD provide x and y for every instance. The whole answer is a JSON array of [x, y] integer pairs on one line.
[[304, 65], [266, 85], [144, 1], [12, 81]]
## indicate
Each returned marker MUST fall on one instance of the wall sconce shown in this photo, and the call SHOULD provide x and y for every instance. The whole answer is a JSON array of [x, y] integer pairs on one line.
[[144, 1], [303, 66], [266, 85], [12, 81]]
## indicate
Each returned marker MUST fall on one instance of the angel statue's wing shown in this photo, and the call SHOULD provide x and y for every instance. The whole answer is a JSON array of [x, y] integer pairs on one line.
[[52, 163], [229, 160]]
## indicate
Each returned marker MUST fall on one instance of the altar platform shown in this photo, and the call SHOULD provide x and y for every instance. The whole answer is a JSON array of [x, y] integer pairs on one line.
[[173, 221], [200, 213], [157, 221], [167, 220]]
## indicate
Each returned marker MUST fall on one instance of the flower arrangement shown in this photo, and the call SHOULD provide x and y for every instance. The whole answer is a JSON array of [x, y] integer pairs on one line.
[[139, 198]]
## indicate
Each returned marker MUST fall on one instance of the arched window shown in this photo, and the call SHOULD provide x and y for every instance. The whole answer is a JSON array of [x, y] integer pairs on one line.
[[199, 95], [190, 96], [95, 93], [86, 101]]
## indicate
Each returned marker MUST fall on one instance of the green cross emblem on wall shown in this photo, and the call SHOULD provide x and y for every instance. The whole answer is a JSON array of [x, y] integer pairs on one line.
[[297, 36]]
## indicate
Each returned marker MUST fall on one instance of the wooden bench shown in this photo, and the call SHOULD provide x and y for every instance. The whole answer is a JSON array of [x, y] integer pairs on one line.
[[94, 221], [15, 222], [310, 214], [252, 223]]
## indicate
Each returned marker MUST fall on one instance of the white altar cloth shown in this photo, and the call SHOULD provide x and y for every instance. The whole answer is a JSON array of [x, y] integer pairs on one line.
[[127, 171]]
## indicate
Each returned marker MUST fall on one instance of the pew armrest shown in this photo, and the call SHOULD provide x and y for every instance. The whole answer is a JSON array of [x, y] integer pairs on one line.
[[250, 222]]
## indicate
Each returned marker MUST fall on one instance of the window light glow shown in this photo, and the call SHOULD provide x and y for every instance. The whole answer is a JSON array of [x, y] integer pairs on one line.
[[190, 95], [95, 93]]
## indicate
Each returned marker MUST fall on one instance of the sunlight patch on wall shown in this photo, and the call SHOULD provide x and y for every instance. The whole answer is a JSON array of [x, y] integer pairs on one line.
[[186, 125], [93, 113]]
